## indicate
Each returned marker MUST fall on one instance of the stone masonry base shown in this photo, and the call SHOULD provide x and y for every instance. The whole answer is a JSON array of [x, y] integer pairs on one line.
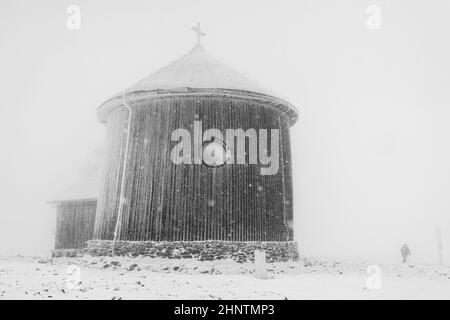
[[201, 250]]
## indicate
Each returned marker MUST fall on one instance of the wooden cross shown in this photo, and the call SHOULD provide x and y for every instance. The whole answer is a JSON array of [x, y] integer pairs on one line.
[[199, 32]]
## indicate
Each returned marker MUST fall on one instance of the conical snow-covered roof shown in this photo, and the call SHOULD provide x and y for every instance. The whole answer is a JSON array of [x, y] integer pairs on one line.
[[197, 71]]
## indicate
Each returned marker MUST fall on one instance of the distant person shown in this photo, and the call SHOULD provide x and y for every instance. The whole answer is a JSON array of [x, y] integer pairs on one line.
[[404, 250]]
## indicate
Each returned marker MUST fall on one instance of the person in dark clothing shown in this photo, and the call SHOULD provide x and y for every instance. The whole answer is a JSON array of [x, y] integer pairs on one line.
[[404, 250]]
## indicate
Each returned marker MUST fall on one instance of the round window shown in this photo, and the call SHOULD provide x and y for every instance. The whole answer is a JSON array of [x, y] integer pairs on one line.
[[215, 153]]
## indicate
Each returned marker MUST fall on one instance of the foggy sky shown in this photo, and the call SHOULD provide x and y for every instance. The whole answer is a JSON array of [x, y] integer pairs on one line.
[[371, 157]]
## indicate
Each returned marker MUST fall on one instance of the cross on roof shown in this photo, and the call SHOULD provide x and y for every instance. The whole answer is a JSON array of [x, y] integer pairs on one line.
[[199, 32]]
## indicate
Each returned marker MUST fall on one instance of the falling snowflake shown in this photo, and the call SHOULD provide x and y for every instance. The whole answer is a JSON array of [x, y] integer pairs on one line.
[[211, 203]]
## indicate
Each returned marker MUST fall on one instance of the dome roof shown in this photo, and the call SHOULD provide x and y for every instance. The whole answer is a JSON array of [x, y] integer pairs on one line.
[[197, 72]]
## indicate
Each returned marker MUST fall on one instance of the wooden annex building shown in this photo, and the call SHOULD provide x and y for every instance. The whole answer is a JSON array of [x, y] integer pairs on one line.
[[75, 212]]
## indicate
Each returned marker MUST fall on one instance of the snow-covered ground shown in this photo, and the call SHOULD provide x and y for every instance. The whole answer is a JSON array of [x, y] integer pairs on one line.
[[150, 278]]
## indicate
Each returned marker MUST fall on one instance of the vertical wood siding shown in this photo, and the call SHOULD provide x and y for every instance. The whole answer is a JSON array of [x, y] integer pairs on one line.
[[74, 224], [182, 202]]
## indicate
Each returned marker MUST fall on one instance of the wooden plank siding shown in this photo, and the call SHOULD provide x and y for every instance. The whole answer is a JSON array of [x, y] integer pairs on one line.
[[164, 201], [74, 224]]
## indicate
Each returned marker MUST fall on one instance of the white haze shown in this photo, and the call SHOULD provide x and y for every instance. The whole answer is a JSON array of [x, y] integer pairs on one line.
[[371, 155]]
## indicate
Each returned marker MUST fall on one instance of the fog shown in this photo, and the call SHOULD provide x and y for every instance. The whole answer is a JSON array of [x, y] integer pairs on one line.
[[371, 157]]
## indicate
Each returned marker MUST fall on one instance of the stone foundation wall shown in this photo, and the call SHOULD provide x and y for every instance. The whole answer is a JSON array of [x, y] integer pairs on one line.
[[201, 250]]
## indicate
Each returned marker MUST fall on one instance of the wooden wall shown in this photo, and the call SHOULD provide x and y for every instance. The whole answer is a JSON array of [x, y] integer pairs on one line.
[[74, 224], [183, 202]]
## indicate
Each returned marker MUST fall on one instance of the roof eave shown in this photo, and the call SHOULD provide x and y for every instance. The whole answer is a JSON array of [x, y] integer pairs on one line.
[[115, 102], [66, 201]]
